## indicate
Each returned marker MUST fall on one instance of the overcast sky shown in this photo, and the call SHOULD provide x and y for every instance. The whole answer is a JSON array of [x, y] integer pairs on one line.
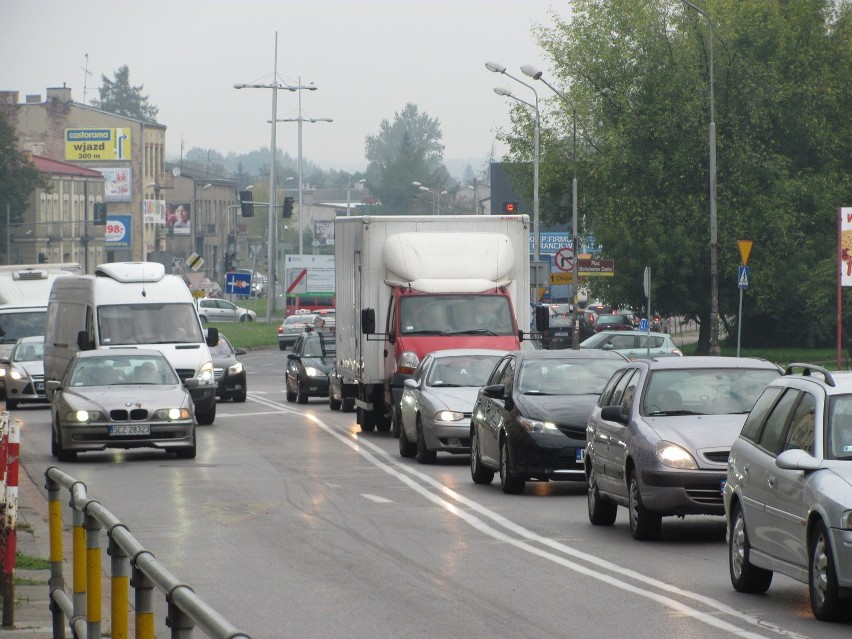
[[368, 58]]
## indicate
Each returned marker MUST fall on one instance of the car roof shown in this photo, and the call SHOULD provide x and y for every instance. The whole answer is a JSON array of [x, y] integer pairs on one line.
[[833, 382], [652, 333], [31, 338], [703, 361]]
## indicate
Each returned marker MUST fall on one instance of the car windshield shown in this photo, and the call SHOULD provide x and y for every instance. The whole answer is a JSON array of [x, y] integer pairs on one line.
[[121, 370], [838, 435], [705, 391], [28, 352], [149, 324], [462, 370], [455, 315], [222, 347], [566, 376]]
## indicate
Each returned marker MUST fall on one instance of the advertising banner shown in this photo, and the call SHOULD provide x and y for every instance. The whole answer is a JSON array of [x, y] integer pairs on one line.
[[117, 184], [153, 212], [845, 242], [97, 143], [117, 232], [315, 274], [324, 232], [178, 218]]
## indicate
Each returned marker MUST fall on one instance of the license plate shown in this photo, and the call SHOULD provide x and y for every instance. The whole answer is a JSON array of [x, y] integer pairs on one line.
[[722, 486], [129, 429], [39, 386], [581, 453]]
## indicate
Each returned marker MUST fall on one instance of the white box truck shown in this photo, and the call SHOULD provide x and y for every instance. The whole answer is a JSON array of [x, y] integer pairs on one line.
[[24, 290], [131, 304], [409, 285]]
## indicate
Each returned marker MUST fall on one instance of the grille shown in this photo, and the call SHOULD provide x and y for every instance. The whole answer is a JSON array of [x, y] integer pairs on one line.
[[574, 432], [716, 456], [121, 415], [185, 373], [218, 372], [705, 494]]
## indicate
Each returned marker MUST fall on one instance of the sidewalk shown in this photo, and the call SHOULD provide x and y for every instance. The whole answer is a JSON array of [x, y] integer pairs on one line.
[[32, 617]]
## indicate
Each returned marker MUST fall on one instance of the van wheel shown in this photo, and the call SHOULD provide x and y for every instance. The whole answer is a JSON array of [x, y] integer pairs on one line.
[[348, 405], [207, 418]]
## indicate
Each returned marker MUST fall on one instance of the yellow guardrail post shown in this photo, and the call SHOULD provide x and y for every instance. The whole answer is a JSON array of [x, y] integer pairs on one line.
[[143, 589], [119, 589], [57, 577], [78, 566], [93, 576]]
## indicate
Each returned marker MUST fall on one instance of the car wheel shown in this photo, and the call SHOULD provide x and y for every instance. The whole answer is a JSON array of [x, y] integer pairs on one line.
[[301, 397], [333, 404], [511, 485], [281, 347], [396, 422], [601, 512], [348, 405], [240, 397], [478, 473], [205, 419], [291, 395], [825, 600], [406, 448], [11, 404], [644, 525], [744, 576], [424, 455], [54, 446], [62, 454]]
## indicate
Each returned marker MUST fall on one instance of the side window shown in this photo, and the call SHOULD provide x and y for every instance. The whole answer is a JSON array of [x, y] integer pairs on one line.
[[801, 433], [755, 419], [606, 394], [629, 392], [508, 376], [618, 393], [497, 373], [422, 367], [772, 436], [391, 318]]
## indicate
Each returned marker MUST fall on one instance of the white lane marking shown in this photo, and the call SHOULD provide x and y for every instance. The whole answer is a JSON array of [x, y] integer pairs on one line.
[[234, 415], [376, 498], [395, 468]]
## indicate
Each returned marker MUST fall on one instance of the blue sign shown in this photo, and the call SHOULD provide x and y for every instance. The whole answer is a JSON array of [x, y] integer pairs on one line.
[[117, 232], [552, 242], [742, 277], [238, 284], [643, 324]]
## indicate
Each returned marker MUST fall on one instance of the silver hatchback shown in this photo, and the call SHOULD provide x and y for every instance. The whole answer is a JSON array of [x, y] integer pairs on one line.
[[657, 442], [788, 496]]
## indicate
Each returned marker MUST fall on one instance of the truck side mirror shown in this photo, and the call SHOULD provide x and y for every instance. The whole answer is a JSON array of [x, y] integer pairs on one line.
[[212, 336], [542, 318], [368, 321], [83, 342]]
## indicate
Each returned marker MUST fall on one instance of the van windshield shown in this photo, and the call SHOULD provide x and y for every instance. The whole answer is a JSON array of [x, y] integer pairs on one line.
[[148, 324]]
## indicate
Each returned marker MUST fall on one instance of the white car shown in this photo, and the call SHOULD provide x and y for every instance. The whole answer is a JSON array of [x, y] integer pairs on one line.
[[25, 372], [216, 310], [634, 344]]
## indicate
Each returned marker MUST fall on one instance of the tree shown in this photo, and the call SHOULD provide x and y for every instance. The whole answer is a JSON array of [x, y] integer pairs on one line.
[[637, 73], [18, 178], [407, 150], [119, 97]]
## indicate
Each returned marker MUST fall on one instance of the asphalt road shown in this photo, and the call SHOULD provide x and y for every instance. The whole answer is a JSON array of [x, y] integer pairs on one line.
[[292, 523]]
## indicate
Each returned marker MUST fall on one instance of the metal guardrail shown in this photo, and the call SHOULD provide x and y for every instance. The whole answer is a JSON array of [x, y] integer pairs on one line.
[[131, 565]]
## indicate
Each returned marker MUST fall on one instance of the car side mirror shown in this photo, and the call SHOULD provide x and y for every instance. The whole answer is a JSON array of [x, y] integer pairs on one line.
[[495, 391], [190, 382], [52, 385], [239, 351], [212, 336], [797, 459], [4, 360], [613, 414], [411, 383]]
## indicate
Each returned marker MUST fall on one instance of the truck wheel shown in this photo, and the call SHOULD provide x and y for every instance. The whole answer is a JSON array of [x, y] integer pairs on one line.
[[333, 404], [348, 405], [365, 418]]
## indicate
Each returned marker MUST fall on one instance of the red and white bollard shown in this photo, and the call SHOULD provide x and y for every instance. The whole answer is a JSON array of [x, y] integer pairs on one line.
[[9, 452]]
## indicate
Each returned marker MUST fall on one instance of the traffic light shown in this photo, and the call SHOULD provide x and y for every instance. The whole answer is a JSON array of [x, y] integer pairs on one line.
[[510, 208], [99, 215], [246, 204], [288, 207]]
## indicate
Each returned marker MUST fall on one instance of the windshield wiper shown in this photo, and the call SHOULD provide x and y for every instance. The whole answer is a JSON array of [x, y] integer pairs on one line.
[[426, 333], [671, 413], [474, 331]]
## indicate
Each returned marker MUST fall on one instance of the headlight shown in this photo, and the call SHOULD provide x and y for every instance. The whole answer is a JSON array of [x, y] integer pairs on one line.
[[674, 456], [236, 369], [535, 426], [408, 361], [846, 520], [205, 373], [310, 371], [2, 371], [16, 374], [448, 416], [84, 416], [172, 414]]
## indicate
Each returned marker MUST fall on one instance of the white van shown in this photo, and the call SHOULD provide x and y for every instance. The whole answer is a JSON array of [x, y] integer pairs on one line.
[[131, 304]]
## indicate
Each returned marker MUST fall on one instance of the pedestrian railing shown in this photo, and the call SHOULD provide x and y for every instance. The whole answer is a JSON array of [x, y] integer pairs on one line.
[[131, 566]]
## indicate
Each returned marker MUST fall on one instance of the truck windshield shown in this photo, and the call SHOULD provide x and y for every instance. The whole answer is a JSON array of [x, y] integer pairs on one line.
[[455, 315], [15, 324], [149, 324]]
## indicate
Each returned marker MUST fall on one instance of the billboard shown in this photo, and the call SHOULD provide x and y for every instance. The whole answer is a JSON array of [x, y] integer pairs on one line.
[[845, 243], [324, 232], [117, 232], [117, 184], [153, 212], [178, 217], [97, 143]]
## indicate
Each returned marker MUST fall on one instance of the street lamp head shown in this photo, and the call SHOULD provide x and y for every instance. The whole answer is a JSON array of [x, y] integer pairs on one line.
[[151, 185], [206, 186], [503, 91], [239, 86], [531, 71], [424, 188], [496, 67], [416, 184], [249, 187]]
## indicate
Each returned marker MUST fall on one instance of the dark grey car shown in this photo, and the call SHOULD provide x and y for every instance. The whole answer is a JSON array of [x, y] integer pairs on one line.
[[659, 437]]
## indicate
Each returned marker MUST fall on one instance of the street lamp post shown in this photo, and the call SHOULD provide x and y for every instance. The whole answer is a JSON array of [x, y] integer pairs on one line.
[[496, 67], [436, 195], [714, 264], [535, 74]]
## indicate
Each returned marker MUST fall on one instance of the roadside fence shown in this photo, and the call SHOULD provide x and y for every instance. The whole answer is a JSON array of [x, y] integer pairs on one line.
[[131, 565]]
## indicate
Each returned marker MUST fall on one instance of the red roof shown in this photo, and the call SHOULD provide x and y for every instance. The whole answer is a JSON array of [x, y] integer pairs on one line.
[[48, 165]]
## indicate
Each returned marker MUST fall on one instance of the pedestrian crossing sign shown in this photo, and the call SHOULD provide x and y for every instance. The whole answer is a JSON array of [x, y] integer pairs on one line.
[[742, 277]]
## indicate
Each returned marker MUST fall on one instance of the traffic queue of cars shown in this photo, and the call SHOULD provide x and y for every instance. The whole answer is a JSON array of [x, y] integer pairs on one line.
[[650, 430]]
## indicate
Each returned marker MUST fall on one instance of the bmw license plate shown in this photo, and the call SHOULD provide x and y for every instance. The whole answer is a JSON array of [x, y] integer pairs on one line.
[[129, 429], [581, 453]]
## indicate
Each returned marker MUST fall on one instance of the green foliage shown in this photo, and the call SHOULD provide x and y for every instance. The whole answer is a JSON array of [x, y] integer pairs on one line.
[[407, 150], [119, 97], [636, 71]]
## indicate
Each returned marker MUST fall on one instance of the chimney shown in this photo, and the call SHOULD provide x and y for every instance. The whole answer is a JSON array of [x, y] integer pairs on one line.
[[33, 99], [59, 94], [9, 98]]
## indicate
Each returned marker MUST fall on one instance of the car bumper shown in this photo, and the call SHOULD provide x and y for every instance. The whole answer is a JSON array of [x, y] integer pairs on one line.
[[448, 437], [548, 456], [682, 492], [228, 385], [203, 396], [96, 437], [27, 390], [314, 386]]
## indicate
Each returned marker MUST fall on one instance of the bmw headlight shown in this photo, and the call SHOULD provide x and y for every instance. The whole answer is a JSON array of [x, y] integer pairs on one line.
[[536, 426], [236, 369], [448, 416], [84, 416], [205, 373], [172, 414], [675, 456], [312, 371]]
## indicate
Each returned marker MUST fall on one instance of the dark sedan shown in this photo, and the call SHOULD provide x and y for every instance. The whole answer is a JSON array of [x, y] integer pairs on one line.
[[615, 322], [308, 366], [529, 421], [229, 372]]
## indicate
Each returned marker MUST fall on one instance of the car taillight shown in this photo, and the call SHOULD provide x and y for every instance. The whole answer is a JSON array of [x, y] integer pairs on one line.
[[280, 330]]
